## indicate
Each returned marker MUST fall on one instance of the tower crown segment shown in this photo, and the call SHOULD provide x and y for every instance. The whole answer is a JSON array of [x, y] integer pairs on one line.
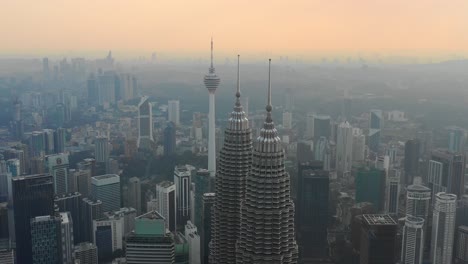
[[211, 80]]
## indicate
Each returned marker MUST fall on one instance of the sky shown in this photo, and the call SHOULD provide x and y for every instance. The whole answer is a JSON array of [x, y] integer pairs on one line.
[[184, 27]]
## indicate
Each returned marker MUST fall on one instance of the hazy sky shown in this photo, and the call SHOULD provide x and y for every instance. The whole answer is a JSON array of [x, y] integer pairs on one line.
[[245, 26]]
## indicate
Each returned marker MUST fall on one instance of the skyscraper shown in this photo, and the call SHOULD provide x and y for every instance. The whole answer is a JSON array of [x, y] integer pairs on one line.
[[134, 194], [173, 111], [443, 228], [322, 126], [411, 160], [106, 188], [49, 135], [378, 239], [37, 144], [208, 202], [309, 132], [183, 183], [211, 81], [57, 166], [392, 191], [344, 149], [201, 180], [33, 196], [169, 139], [101, 149], [452, 172], [90, 210], [150, 243], [234, 165], [287, 120], [359, 145], [167, 206], [461, 248], [193, 240], [66, 237], [375, 128], [59, 140], [145, 124], [267, 197], [457, 139], [370, 187], [312, 211], [93, 90], [46, 239], [107, 236], [71, 204], [413, 241], [418, 199]]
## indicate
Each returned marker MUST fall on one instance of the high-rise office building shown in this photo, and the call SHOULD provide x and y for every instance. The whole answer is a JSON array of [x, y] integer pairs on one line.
[[312, 214], [451, 173], [322, 127], [90, 211], [59, 140], [234, 165], [287, 120], [92, 90], [370, 187], [134, 194], [33, 196], [359, 145], [71, 203], [46, 239], [267, 197], [443, 228], [201, 180], [49, 141], [211, 81], [413, 240], [418, 201], [86, 253], [167, 205], [193, 240], [173, 111], [82, 179], [127, 86], [309, 132], [461, 247], [37, 144], [392, 191], [106, 88], [457, 139], [145, 124], [101, 149], [57, 166], [412, 148], [205, 237], [67, 241], [106, 188], [183, 183], [378, 239], [150, 243], [170, 139], [322, 153], [375, 128], [107, 236], [344, 149], [14, 167]]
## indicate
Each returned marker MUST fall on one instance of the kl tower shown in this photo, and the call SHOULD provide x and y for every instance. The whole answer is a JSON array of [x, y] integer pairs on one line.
[[211, 81]]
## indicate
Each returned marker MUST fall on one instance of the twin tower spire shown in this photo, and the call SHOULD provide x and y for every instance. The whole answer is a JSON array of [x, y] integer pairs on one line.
[[253, 213]]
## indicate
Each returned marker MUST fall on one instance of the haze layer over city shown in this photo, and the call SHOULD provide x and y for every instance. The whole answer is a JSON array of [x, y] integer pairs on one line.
[[213, 132]]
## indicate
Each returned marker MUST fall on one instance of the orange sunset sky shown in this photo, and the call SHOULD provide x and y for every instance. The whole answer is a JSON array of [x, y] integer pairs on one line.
[[416, 27]]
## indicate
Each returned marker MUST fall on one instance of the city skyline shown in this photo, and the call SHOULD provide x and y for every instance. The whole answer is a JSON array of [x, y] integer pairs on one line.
[[397, 28]]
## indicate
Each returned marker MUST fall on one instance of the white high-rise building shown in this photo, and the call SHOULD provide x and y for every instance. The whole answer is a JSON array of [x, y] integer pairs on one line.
[[435, 178], [57, 166], [193, 239], [173, 111], [344, 147], [287, 120], [211, 81], [413, 241], [145, 124], [443, 228], [166, 204], [418, 201]]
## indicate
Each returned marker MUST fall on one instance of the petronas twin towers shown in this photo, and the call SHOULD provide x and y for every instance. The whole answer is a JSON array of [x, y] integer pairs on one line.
[[253, 214]]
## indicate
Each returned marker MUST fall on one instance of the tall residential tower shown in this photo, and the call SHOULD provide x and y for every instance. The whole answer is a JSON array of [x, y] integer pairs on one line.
[[211, 81]]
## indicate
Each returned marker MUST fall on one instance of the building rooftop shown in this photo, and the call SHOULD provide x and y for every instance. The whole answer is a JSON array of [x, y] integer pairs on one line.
[[166, 184], [379, 219], [152, 215]]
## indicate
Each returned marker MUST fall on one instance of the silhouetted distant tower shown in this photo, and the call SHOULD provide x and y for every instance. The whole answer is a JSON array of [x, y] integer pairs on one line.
[[234, 164], [169, 139], [211, 81], [411, 160], [145, 124], [267, 223]]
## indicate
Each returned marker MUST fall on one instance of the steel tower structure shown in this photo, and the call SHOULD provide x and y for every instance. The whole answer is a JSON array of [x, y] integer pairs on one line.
[[267, 211], [234, 164], [211, 81]]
